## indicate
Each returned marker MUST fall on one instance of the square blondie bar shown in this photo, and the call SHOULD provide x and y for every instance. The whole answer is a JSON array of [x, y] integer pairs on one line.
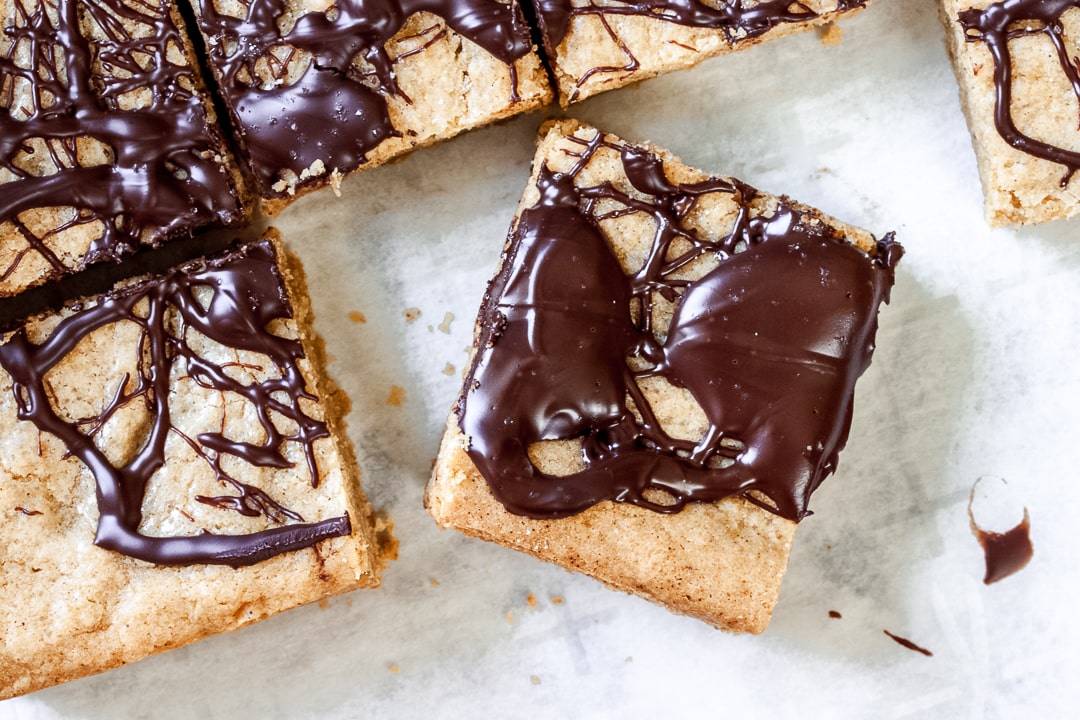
[[173, 465], [662, 374]]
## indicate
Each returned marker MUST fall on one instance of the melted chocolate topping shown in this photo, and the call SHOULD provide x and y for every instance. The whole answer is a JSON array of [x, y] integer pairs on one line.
[[1006, 553], [163, 179], [248, 294], [335, 112], [738, 23], [1001, 22], [769, 343]]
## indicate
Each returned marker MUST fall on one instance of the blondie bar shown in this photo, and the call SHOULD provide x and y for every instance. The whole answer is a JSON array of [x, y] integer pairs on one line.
[[107, 139], [173, 464], [663, 373], [595, 46], [1020, 90], [317, 90]]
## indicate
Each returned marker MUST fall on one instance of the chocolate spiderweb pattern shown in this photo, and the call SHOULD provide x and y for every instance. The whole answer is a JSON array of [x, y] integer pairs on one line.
[[735, 20], [247, 295], [997, 25], [98, 117], [769, 343], [317, 91]]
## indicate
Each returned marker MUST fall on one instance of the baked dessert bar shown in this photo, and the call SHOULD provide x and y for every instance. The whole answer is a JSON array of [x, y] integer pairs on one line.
[[597, 45], [1020, 90], [662, 374], [173, 464], [107, 140], [318, 89]]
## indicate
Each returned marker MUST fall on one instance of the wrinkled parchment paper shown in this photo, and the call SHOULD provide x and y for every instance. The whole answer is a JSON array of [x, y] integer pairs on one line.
[[976, 374]]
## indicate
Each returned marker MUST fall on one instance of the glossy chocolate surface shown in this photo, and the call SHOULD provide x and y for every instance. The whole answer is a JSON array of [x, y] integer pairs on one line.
[[248, 294], [737, 22], [163, 179], [335, 112], [1006, 553], [769, 343], [997, 25]]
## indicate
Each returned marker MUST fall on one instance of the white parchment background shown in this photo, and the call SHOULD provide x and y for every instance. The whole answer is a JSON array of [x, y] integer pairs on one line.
[[975, 374]]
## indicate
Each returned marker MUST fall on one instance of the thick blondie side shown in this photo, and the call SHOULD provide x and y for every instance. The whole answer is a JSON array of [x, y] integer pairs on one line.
[[173, 464], [663, 373]]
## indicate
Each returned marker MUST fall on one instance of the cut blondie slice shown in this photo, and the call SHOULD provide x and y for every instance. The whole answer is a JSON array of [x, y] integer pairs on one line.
[[1020, 90], [594, 46], [107, 141], [317, 89], [173, 464], [663, 373]]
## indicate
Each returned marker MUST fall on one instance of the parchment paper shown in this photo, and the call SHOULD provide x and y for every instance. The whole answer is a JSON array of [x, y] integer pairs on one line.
[[975, 374]]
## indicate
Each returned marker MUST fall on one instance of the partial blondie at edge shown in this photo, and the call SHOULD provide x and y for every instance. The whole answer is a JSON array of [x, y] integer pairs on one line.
[[1020, 93], [173, 464], [108, 141], [592, 47]]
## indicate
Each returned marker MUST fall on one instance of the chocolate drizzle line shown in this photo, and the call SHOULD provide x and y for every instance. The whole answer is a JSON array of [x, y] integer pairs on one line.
[[737, 22], [248, 294], [908, 644], [1001, 22], [769, 343], [335, 112], [163, 180]]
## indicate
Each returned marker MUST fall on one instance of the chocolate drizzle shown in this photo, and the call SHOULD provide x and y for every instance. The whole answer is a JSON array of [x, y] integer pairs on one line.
[[247, 295], [163, 179], [738, 23], [1001, 22], [335, 112], [904, 642], [1006, 553], [769, 343]]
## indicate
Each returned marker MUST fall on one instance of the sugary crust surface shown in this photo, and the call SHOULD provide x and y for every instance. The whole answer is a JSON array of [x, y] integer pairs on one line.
[[21, 267], [1019, 189], [449, 85], [721, 562], [658, 47], [69, 608]]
